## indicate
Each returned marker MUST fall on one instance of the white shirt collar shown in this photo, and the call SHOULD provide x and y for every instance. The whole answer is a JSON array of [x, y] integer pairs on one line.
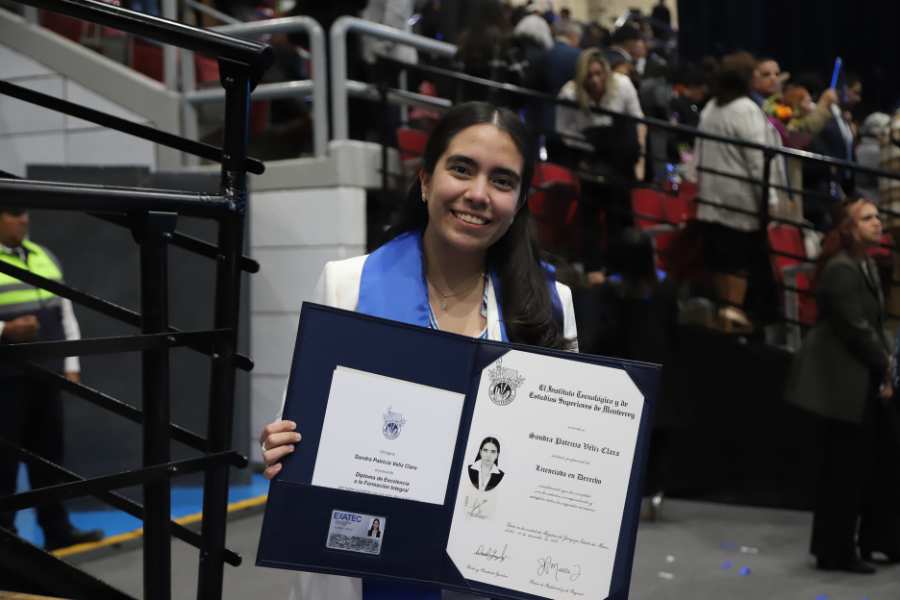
[[14, 251], [477, 465]]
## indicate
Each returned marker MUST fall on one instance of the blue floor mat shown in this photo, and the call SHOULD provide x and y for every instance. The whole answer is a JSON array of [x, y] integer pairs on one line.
[[185, 501]]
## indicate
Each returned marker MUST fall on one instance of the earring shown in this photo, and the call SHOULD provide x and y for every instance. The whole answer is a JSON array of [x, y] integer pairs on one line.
[[424, 199]]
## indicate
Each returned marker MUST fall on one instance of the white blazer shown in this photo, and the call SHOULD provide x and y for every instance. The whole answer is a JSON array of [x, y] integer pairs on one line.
[[338, 287]]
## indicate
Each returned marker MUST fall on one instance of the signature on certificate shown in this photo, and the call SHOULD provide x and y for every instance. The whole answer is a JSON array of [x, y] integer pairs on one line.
[[547, 566], [477, 506], [492, 553]]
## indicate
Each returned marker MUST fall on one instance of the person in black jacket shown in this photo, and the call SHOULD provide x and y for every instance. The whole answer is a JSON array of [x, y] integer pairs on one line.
[[842, 375]]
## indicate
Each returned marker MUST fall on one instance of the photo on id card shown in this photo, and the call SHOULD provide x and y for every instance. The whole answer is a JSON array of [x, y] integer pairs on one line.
[[355, 532]]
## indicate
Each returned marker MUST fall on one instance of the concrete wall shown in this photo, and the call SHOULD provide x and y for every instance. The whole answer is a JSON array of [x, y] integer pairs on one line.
[[30, 51], [303, 213], [33, 135]]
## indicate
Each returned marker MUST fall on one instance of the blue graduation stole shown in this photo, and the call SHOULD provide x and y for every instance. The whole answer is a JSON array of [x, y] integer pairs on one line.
[[393, 287]]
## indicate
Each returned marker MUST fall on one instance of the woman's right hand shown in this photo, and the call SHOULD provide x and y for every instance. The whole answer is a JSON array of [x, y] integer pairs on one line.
[[277, 439]]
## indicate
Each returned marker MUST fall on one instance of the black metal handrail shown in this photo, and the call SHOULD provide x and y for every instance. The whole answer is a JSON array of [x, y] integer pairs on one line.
[[83, 487], [184, 241], [151, 216], [115, 499], [113, 405], [45, 195], [101, 306], [179, 239], [257, 57], [138, 130], [107, 345]]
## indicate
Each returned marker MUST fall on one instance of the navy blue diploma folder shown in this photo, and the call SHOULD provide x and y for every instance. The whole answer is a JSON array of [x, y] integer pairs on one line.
[[298, 515]]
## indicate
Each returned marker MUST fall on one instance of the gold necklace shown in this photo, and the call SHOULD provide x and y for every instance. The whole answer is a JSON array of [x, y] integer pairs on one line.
[[442, 297]]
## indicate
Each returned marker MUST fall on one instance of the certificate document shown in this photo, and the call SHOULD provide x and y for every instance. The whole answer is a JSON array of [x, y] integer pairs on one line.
[[387, 436], [543, 484], [472, 465]]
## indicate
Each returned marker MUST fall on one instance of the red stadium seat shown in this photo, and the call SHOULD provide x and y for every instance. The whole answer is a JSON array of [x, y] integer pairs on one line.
[[786, 240], [647, 207], [411, 143], [883, 252], [147, 58], [793, 271], [681, 207], [553, 202], [64, 25]]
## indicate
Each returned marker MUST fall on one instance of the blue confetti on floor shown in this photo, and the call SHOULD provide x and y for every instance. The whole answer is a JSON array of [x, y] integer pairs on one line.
[[727, 565], [744, 571]]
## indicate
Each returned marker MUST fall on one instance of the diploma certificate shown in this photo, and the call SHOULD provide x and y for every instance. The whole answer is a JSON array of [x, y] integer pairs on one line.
[[472, 465], [557, 439], [386, 436]]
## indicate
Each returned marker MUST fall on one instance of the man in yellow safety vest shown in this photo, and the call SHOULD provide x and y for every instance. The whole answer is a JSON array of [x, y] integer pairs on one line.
[[31, 409]]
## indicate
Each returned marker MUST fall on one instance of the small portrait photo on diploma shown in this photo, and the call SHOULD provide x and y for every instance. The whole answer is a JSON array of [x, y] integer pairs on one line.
[[485, 473]]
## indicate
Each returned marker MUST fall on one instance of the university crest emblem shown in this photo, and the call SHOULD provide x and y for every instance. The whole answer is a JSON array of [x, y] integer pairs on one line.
[[504, 383], [393, 424]]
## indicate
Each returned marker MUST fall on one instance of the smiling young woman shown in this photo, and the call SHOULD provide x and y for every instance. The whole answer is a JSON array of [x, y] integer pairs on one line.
[[459, 258]]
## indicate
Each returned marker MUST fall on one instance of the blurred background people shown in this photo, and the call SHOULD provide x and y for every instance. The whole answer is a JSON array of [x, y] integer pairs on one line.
[[731, 209], [872, 135], [766, 80], [613, 147]]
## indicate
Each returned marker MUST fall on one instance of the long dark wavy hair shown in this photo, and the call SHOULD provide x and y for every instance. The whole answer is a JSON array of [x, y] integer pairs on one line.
[[524, 296], [840, 237]]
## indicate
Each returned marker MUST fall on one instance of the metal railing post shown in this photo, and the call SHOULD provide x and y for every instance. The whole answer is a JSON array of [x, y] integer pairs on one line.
[[236, 81], [337, 55], [189, 118], [319, 65], [385, 140], [152, 231], [31, 15], [764, 208], [337, 38], [170, 53], [320, 90]]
